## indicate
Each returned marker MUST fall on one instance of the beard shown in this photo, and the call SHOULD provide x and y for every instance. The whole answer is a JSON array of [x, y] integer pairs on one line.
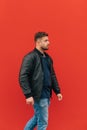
[[43, 48]]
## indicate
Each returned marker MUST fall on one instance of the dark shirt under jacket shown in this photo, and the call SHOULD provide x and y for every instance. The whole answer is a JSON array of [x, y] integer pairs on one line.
[[47, 77]]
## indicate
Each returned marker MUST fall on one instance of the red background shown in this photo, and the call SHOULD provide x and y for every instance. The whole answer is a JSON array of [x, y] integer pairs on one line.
[[66, 23]]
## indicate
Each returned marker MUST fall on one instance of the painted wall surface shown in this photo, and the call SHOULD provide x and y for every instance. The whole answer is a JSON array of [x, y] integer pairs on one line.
[[66, 23]]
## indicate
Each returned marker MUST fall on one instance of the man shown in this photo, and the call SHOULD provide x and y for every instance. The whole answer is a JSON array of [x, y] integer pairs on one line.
[[37, 80]]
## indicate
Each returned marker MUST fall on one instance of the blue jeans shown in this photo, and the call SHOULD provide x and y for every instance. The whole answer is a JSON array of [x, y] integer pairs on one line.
[[40, 118]]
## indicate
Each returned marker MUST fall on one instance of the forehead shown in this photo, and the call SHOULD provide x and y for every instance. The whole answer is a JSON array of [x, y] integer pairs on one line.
[[44, 38]]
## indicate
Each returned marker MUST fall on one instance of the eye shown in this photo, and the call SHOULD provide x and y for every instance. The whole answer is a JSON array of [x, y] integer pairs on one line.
[[46, 40]]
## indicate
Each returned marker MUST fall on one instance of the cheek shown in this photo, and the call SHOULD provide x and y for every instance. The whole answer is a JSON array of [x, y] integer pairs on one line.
[[46, 44], [43, 44]]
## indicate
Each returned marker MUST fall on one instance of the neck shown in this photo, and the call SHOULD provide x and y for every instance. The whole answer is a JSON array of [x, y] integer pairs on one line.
[[42, 51]]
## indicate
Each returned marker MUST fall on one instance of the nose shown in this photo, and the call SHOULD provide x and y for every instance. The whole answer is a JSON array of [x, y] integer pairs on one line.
[[48, 42]]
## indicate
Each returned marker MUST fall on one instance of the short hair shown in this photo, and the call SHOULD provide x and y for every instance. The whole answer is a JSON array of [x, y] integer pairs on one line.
[[39, 35]]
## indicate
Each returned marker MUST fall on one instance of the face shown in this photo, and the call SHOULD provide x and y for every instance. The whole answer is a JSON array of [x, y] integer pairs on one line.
[[44, 43]]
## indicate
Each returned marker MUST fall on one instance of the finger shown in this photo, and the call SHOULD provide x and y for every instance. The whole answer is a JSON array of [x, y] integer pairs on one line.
[[60, 98], [33, 103]]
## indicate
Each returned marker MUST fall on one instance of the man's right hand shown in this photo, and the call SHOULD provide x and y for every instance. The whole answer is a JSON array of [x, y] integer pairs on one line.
[[30, 100]]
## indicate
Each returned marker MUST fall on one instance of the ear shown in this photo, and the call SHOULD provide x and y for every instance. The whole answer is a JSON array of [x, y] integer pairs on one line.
[[38, 41]]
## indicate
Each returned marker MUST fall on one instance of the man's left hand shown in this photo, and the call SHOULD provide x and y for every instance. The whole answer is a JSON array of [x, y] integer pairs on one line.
[[59, 96]]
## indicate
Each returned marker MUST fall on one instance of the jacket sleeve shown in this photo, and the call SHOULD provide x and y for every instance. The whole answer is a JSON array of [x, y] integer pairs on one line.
[[55, 84], [25, 75]]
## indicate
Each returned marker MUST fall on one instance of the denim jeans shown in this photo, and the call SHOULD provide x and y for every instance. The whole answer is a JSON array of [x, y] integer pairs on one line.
[[40, 118]]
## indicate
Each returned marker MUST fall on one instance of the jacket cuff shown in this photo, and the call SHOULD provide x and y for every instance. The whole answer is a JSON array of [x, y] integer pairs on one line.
[[58, 92], [28, 95]]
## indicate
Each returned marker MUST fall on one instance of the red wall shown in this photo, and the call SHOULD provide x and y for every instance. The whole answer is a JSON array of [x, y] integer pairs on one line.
[[66, 23]]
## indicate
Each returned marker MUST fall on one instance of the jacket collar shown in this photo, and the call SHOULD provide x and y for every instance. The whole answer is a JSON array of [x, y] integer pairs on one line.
[[41, 54]]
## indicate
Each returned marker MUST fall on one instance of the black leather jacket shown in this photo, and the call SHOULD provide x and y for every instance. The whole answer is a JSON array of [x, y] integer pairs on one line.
[[31, 75]]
